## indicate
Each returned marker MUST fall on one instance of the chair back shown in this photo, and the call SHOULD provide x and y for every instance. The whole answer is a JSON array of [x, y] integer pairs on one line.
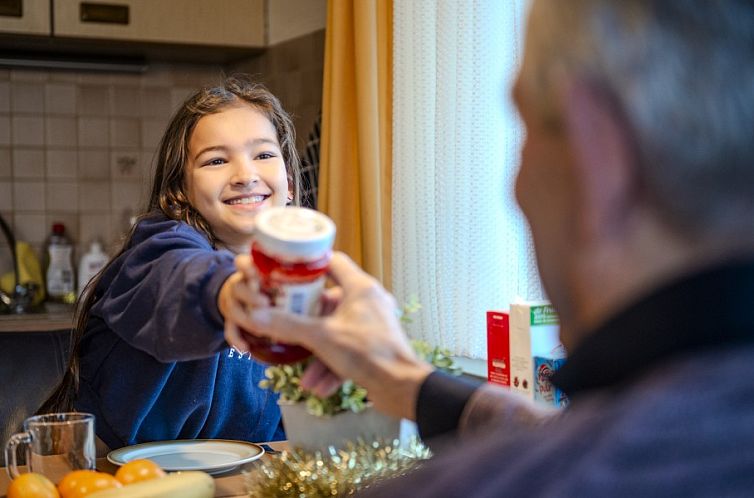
[[31, 366]]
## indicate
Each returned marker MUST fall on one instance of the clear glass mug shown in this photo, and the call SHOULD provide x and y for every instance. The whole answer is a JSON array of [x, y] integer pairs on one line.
[[55, 444]]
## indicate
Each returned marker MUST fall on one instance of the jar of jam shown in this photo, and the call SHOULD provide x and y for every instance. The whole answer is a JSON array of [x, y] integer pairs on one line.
[[291, 250]]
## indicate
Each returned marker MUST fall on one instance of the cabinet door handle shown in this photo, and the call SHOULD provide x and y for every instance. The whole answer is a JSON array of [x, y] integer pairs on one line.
[[12, 8], [103, 13]]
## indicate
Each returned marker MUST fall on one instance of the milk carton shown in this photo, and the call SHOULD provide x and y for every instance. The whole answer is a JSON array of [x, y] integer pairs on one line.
[[498, 349], [535, 351]]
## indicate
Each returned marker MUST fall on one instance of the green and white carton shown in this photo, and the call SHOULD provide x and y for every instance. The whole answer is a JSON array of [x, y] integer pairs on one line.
[[534, 339]]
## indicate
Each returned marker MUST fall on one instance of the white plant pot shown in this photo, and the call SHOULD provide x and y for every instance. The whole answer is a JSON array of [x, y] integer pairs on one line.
[[312, 433]]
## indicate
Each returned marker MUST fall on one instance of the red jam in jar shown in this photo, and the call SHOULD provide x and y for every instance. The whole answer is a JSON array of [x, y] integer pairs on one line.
[[291, 251]]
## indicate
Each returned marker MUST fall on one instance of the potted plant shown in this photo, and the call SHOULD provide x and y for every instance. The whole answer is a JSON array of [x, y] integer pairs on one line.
[[316, 424]]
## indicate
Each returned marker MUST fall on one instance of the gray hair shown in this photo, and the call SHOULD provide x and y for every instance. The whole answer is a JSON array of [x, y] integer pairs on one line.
[[682, 74]]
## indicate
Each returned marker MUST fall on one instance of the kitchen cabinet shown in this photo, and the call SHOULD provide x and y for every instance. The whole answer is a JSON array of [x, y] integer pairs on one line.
[[234, 23], [217, 31], [25, 16]]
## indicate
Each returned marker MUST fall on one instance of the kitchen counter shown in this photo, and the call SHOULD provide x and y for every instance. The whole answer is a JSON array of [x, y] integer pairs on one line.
[[52, 317]]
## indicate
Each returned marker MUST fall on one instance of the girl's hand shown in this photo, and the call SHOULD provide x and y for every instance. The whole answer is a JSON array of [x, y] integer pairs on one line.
[[238, 295]]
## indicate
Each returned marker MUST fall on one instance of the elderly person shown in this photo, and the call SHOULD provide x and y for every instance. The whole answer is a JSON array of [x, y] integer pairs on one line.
[[637, 178]]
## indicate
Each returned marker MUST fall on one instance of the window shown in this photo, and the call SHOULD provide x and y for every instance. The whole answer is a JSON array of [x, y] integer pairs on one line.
[[460, 243]]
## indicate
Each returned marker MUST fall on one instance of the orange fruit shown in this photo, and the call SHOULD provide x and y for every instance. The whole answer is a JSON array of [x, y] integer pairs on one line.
[[82, 483], [138, 470], [72, 480], [32, 485]]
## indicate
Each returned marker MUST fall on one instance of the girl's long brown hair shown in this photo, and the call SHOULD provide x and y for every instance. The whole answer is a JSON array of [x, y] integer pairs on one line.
[[169, 197]]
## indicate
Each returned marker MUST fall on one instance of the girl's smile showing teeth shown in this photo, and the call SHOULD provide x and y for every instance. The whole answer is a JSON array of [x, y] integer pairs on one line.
[[252, 199]]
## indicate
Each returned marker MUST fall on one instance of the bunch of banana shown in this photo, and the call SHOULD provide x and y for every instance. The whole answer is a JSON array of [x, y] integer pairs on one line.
[[176, 485]]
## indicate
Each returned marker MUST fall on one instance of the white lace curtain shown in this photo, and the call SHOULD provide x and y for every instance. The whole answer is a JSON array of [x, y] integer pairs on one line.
[[460, 243]]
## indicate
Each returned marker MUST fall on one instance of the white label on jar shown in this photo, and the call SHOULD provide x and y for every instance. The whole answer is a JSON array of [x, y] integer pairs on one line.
[[300, 299]]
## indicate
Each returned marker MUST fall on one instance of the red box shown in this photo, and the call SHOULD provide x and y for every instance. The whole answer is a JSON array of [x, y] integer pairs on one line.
[[498, 348]]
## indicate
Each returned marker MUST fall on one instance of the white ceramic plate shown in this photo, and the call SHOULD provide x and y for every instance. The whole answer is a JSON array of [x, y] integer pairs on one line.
[[213, 456]]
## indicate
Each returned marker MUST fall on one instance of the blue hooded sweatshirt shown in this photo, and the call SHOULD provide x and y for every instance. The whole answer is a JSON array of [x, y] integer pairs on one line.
[[154, 362]]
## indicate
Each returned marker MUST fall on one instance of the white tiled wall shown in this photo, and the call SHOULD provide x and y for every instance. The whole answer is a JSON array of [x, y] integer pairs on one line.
[[77, 148]]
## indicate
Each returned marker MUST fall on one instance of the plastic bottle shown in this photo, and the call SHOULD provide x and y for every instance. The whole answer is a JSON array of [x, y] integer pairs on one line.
[[90, 264], [291, 250], [60, 284]]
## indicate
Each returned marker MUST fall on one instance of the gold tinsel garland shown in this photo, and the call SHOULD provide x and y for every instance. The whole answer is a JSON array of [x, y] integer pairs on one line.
[[338, 472]]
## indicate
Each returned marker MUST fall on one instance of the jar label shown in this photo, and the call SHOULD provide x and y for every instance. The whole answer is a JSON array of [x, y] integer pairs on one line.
[[300, 299]]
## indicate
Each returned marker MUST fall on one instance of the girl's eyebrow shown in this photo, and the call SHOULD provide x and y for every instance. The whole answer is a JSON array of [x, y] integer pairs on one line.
[[221, 148], [250, 143]]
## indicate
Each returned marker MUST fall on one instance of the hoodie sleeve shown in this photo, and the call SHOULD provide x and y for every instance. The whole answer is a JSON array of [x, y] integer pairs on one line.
[[160, 295]]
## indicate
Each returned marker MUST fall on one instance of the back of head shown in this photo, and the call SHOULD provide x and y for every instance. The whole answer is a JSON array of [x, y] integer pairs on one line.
[[681, 73]]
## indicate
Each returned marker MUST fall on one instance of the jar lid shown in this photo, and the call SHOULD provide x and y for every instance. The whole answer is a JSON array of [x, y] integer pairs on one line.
[[294, 232]]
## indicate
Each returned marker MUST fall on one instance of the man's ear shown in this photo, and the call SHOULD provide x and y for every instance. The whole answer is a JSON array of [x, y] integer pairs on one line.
[[604, 158]]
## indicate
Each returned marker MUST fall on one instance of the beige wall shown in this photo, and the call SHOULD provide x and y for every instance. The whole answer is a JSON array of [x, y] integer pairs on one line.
[[293, 71]]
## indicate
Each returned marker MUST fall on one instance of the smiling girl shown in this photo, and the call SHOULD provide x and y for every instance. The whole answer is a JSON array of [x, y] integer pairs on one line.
[[150, 359]]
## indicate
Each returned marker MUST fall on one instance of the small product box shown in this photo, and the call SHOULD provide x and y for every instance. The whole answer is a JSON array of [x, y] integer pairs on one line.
[[544, 390], [535, 351], [498, 349]]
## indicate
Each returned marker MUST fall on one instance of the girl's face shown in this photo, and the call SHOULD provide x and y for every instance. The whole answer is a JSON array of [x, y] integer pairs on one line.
[[235, 169]]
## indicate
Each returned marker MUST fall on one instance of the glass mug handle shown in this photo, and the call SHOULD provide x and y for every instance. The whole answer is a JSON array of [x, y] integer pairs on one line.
[[11, 452]]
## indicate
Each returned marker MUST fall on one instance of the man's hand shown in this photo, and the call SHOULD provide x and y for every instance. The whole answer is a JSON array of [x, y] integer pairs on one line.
[[360, 340]]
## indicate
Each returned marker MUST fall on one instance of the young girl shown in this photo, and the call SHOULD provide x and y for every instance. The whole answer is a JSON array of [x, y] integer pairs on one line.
[[150, 360]]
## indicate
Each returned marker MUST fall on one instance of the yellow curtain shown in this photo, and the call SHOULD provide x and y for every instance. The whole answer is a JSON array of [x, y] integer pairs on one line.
[[356, 142]]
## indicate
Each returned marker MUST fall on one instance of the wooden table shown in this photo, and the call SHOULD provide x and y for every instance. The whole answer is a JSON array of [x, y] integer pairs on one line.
[[231, 484]]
